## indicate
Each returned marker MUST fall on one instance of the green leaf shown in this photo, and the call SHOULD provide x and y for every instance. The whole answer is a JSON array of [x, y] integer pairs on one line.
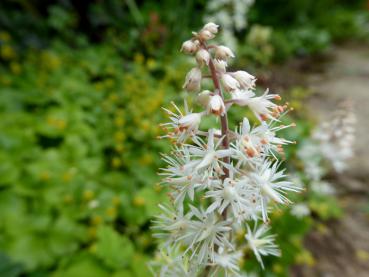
[[114, 249], [84, 267]]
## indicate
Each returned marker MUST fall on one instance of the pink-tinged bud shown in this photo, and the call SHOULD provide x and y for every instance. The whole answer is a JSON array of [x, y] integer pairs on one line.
[[202, 57], [190, 122], [230, 83], [190, 47], [220, 66], [203, 98], [223, 53], [211, 27], [246, 80], [193, 80], [216, 105], [205, 35]]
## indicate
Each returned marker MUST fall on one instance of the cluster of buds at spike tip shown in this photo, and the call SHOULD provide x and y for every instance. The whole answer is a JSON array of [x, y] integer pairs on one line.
[[220, 181]]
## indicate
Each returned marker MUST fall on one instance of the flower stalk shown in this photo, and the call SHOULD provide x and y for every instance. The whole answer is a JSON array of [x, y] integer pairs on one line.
[[224, 117]]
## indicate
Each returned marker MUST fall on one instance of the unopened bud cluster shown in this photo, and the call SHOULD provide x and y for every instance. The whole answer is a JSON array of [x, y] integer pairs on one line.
[[222, 183]]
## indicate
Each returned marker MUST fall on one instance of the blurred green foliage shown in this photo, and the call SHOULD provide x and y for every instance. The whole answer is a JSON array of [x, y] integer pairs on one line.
[[79, 156], [81, 86]]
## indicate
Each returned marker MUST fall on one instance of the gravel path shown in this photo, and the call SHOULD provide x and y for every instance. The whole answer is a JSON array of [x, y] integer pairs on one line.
[[343, 250]]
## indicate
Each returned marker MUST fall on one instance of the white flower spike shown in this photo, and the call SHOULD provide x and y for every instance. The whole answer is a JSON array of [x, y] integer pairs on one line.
[[219, 181]]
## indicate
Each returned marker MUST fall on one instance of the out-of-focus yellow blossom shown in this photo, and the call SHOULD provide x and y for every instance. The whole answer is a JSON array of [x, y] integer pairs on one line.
[[15, 68], [158, 187], [7, 52], [139, 58], [146, 159], [145, 124], [322, 229], [109, 83], [305, 257], [296, 241], [5, 37], [88, 195], [119, 136], [92, 231], [119, 147], [93, 247], [57, 123], [114, 97], [119, 121], [111, 212], [277, 268], [96, 220], [116, 201], [138, 201], [68, 199], [151, 64], [45, 176], [116, 162], [362, 255]]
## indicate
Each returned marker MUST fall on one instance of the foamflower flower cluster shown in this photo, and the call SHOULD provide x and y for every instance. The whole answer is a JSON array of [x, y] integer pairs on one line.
[[330, 146], [221, 182], [337, 137]]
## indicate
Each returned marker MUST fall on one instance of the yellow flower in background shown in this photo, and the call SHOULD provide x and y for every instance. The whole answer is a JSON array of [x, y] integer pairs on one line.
[[109, 83], [305, 257], [7, 52], [96, 220], [277, 268], [119, 147], [50, 60], [111, 212], [57, 123], [322, 229], [119, 136], [116, 201], [45, 176], [116, 162], [5, 36], [15, 68], [146, 159], [139, 58], [138, 201], [362, 255], [114, 97], [119, 121], [88, 195], [91, 231], [68, 199], [151, 64]]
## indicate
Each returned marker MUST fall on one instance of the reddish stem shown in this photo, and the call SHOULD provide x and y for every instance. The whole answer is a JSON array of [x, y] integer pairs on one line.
[[223, 118]]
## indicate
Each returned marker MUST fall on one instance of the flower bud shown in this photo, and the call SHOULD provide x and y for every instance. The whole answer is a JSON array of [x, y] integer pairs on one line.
[[202, 57], [230, 83], [245, 79], [220, 66], [205, 35], [223, 53], [189, 122], [193, 80], [211, 27], [190, 47], [216, 105], [204, 97]]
